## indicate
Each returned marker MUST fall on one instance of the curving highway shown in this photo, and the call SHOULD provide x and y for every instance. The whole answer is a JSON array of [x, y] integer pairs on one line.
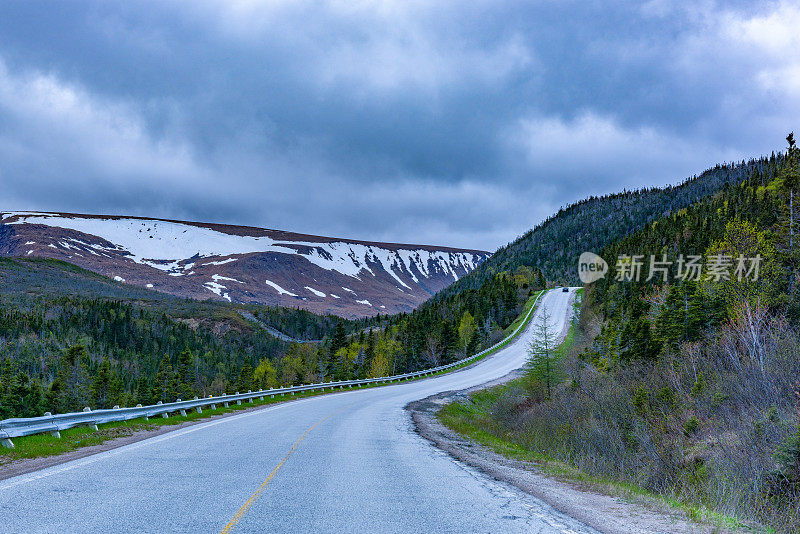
[[345, 462]]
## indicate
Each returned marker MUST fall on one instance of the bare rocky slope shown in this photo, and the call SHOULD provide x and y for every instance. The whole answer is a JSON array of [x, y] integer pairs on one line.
[[241, 264]]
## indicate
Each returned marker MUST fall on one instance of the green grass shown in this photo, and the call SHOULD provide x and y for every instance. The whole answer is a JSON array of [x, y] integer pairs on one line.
[[569, 340], [510, 329], [42, 445]]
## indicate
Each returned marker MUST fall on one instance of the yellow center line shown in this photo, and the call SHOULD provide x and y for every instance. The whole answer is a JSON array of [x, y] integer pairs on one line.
[[249, 502]]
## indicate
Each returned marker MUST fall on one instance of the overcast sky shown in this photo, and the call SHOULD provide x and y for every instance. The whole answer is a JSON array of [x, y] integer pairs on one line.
[[450, 123]]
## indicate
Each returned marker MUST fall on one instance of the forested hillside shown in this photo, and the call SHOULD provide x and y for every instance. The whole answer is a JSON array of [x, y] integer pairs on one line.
[[554, 245], [70, 338], [686, 382]]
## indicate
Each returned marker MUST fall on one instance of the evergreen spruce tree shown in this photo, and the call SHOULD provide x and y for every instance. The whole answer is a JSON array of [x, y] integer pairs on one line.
[[74, 378], [185, 374], [638, 340], [695, 315], [55, 400], [789, 218], [245, 381], [671, 325], [144, 391], [165, 388], [5, 381], [339, 339], [543, 364], [13, 400], [33, 405], [102, 386]]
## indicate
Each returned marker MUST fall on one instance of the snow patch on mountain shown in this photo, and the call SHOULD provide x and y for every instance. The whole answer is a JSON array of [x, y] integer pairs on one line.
[[221, 262], [279, 289], [317, 293], [217, 288], [218, 277]]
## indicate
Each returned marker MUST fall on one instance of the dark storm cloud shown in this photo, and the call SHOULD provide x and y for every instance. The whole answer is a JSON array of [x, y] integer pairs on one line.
[[404, 121]]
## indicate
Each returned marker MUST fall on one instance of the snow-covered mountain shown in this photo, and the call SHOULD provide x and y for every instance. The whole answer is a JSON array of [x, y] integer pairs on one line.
[[239, 263]]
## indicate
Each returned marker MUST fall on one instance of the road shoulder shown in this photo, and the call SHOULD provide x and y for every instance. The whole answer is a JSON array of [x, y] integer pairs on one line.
[[602, 512]]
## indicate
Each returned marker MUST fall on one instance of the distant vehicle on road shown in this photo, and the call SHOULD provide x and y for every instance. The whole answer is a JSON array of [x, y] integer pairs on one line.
[[565, 290]]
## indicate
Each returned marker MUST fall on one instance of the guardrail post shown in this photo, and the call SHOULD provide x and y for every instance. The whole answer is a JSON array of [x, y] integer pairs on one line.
[[7, 443], [227, 405], [163, 414], [94, 426], [145, 417], [199, 408], [238, 401], [213, 405], [271, 395], [261, 398], [183, 410], [55, 433]]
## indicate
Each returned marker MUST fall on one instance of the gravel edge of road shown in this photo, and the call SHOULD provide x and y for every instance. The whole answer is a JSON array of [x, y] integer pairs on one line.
[[599, 511]]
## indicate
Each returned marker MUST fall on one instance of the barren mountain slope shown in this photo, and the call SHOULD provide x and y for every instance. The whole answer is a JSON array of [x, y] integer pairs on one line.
[[241, 264]]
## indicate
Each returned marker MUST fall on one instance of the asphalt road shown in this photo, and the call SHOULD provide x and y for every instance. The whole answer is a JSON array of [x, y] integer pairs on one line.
[[345, 462]]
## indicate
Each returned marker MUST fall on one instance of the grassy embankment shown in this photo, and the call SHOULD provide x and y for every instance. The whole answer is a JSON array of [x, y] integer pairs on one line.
[[482, 420]]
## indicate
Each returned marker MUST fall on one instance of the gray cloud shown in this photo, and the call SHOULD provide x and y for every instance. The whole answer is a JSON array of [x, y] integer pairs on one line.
[[401, 121]]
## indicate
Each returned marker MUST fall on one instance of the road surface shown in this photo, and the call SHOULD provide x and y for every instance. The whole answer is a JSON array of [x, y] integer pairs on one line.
[[345, 462]]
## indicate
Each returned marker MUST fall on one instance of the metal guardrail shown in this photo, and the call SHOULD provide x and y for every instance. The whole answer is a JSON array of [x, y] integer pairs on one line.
[[17, 427]]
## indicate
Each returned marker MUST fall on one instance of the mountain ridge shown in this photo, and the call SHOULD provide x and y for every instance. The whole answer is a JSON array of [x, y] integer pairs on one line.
[[554, 244], [234, 227], [350, 278]]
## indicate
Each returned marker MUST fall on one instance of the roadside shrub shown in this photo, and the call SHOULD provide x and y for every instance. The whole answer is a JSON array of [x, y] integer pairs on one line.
[[691, 426], [640, 422]]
